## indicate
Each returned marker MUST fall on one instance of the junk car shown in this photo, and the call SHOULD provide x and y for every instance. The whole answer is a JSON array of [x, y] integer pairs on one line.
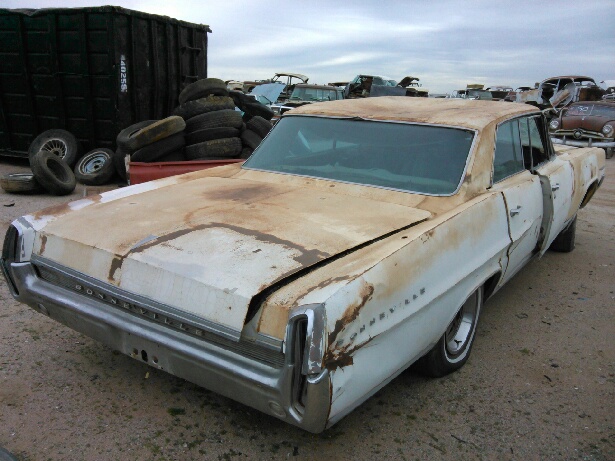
[[561, 91], [587, 123], [362, 236]]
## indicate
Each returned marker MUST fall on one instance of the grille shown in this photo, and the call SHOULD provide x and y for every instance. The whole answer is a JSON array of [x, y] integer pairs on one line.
[[264, 355]]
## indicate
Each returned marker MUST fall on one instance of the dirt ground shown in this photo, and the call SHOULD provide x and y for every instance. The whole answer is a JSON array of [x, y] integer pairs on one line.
[[540, 384]]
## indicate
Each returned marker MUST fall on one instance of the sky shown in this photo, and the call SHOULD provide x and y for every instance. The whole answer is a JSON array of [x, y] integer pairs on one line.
[[446, 44]]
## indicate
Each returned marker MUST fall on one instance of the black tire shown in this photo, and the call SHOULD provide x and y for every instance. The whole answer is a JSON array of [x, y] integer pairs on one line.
[[250, 139], [157, 150], [20, 183], [564, 242], [140, 135], [259, 125], [95, 168], [176, 156], [200, 106], [214, 119], [202, 88], [453, 349], [256, 109], [61, 142], [220, 148], [119, 162], [53, 173], [211, 133], [240, 99], [246, 152]]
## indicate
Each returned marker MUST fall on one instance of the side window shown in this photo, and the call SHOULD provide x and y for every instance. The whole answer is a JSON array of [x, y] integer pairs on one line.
[[508, 158], [533, 148]]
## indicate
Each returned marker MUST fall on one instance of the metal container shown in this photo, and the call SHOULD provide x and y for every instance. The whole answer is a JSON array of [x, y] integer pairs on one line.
[[91, 71]]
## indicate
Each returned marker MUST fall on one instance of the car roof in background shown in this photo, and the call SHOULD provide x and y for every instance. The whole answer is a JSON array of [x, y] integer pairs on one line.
[[453, 112]]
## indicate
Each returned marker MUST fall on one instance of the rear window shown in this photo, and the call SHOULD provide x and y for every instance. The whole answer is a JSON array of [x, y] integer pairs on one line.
[[410, 157]]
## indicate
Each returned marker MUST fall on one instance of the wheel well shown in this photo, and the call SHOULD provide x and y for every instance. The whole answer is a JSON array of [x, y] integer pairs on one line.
[[589, 194], [490, 284]]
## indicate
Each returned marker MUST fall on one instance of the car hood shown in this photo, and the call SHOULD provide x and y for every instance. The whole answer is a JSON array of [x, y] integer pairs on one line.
[[207, 246]]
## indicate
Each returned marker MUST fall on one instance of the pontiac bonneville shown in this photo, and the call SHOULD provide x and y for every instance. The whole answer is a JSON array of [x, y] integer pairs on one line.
[[362, 236]]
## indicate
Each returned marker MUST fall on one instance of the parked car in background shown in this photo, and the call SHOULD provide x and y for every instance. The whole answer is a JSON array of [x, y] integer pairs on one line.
[[289, 80], [307, 94], [499, 93], [561, 91], [360, 237], [472, 91], [586, 124]]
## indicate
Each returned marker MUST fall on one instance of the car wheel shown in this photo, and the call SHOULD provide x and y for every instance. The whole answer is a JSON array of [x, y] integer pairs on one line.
[[20, 183], [95, 167], [53, 173], [201, 88], [564, 242], [220, 148], [452, 350], [60, 142], [200, 106]]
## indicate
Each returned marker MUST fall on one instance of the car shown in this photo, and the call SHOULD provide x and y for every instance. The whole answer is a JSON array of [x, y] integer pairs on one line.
[[472, 91], [586, 123], [561, 91], [307, 94], [361, 237], [500, 92], [289, 80]]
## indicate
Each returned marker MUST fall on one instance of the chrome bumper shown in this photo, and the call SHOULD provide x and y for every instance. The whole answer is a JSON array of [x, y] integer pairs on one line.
[[584, 143], [261, 386]]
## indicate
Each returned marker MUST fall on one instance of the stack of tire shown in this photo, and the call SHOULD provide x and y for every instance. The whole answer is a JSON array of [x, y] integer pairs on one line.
[[215, 129], [150, 141]]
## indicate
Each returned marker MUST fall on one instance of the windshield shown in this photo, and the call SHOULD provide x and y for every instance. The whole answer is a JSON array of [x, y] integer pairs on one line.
[[313, 94], [416, 158], [597, 110]]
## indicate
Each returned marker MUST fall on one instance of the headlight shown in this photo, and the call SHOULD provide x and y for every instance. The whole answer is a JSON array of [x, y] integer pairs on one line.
[[607, 129], [554, 124]]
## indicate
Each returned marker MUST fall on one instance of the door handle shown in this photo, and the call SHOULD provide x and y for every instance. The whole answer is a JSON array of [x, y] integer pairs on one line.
[[515, 211], [555, 187]]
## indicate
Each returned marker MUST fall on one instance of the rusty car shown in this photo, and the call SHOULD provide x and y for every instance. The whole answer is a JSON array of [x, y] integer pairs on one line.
[[361, 237], [561, 91], [586, 124], [304, 93]]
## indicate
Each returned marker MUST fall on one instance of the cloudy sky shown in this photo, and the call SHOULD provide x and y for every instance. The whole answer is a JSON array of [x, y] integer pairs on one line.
[[447, 44]]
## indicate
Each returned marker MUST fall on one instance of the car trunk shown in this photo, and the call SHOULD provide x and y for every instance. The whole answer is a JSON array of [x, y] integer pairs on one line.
[[207, 246]]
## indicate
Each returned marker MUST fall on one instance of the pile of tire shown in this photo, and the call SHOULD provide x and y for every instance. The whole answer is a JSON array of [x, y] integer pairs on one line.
[[52, 156], [215, 128], [150, 141]]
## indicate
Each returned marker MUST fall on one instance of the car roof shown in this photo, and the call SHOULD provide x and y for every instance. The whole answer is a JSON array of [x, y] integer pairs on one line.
[[309, 85], [470, 114]]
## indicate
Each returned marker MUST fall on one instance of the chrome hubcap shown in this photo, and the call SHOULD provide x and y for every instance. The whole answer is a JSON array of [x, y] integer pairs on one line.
[[55, 146], [459, 332]]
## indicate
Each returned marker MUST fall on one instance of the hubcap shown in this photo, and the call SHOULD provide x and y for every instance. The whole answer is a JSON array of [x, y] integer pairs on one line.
[[94, 164], [459, 332], [55, 146]]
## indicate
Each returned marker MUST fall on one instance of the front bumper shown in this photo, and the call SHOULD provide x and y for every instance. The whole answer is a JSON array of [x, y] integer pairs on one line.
[[267, 387], [590, 142]]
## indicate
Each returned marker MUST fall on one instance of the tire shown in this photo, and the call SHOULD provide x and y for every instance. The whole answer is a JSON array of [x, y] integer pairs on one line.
[[95, 168], [53, 173], [176, 156], [259, 125], [214, 119], [256, 109], [452, 350], [245, 153], [60, 142], [159, 149], [20, 183], [221, 148], [140, 134], [119, 162], [200, 106], [202, 88], [211, 133], [564, 242], [240, 99], [250, 139]]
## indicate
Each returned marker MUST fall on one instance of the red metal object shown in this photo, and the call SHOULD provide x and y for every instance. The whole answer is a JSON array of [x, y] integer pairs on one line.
[[143, 172]]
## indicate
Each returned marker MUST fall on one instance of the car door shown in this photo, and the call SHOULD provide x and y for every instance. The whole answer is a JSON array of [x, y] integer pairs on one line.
[[556, 177], [522, 193]]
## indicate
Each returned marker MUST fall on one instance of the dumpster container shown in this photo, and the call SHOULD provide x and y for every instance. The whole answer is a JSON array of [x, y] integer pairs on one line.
[[91, 71]]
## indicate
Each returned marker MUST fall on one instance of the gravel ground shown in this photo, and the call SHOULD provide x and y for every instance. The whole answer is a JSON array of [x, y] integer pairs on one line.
[[540, 384]]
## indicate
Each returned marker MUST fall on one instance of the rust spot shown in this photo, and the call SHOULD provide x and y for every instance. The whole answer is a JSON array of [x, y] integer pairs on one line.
[[351, 313], [43, 244], [64, 208], [343, 357], [115, 265]]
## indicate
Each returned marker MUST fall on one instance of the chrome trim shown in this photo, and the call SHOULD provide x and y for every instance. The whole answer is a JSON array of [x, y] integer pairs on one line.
[[588, 143]]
